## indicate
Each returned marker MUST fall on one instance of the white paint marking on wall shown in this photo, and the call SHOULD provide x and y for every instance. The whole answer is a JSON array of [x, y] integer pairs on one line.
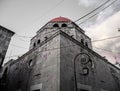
[[35, 87]]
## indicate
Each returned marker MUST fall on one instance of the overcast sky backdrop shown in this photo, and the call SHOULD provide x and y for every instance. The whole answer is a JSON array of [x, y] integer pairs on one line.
[[25, 17]]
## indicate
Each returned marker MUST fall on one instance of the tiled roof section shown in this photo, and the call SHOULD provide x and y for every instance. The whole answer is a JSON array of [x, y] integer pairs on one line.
[[60, 19]]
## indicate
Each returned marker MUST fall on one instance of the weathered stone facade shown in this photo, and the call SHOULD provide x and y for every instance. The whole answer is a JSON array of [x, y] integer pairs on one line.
[[5, 37], [61, 59]]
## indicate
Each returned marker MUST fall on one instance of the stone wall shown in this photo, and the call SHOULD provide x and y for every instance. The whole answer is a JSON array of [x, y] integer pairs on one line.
[[92, 74], [70, 28], [38, 69], [5, 37], [61, 63]]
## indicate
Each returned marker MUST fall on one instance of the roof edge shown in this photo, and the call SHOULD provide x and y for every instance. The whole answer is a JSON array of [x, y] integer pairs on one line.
[[7, 29]]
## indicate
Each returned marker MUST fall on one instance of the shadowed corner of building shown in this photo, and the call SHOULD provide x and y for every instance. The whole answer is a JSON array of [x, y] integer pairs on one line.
[[5, 37]]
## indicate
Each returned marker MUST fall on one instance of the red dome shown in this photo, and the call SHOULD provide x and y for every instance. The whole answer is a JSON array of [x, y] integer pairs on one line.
[[60, 19]]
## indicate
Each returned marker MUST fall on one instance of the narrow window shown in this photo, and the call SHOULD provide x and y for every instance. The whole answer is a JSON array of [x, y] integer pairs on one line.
[[91, 63], [82, 41], [38, 42], [34, 44], [86, 44], [55, 25], [30, 62], [64, 25]]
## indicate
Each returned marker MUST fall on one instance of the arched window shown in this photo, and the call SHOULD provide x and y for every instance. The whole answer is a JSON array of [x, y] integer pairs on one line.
[[86, 44], [34, 44], [64, 25], [30, 62], [82, 41], [91, 63], [38, 42], [55, 25]]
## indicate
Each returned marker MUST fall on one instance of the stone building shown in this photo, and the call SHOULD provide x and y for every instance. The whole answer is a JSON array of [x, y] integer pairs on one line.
[[5, 37], [61, 58]]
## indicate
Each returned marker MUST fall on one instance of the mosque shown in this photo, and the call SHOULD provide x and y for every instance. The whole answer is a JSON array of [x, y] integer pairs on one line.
[[60, 58]]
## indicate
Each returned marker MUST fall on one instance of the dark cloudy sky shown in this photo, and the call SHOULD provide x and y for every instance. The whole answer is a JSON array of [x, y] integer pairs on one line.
[[25, 17]]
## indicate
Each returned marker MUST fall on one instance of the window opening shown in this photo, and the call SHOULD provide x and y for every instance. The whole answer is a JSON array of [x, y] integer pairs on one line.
[[82, 41], [38, 41], [64, 25], [86, 44], [55, 25], [34, 44], [30, 62]]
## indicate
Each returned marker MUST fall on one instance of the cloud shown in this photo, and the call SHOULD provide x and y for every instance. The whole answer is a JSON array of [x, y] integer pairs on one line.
[[107, 29], [105, 25], [87, 3], [104, 14]]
